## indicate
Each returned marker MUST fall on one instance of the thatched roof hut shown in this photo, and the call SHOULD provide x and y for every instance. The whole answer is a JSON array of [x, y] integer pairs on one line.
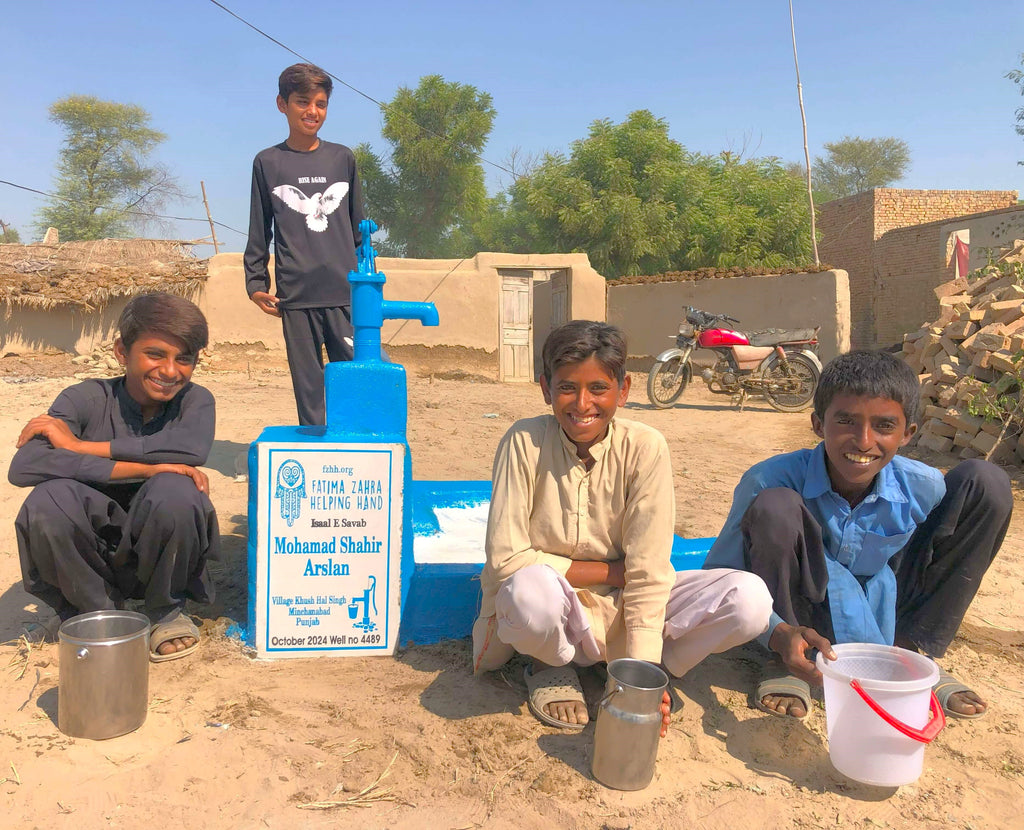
[[88, 274]]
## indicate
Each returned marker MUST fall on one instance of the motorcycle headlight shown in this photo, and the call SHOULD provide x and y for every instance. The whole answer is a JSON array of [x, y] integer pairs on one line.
[[685, 330]]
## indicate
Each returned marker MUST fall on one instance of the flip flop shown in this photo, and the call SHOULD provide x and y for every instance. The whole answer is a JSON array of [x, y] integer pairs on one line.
[[550, 686], [180, 626], [784, 684], [946, 688]]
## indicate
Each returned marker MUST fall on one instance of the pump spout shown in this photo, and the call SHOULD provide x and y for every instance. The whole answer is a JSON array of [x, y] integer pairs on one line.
[[370, 309], [426, 313]]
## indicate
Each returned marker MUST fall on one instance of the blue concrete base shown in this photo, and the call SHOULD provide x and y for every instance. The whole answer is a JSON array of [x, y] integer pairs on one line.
[[443, 599]]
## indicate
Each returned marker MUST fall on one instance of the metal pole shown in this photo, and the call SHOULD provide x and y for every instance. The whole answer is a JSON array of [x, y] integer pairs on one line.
[[213, 232], [803, 120]]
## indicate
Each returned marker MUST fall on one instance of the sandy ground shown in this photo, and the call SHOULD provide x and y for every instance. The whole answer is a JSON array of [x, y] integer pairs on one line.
[[230, 742]]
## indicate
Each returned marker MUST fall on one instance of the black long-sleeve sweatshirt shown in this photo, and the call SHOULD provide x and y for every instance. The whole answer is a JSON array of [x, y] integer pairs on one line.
[[102, 410], [310, 204]]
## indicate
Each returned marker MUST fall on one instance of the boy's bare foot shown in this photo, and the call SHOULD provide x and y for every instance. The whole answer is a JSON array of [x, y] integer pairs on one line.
[[567, 711], [779, 693], [966, 703], [172, 639], [555, 696], [957, 699], [785, 705], [177, 644]]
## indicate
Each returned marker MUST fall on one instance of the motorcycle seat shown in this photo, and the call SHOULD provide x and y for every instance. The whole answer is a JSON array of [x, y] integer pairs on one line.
[[772, 337]]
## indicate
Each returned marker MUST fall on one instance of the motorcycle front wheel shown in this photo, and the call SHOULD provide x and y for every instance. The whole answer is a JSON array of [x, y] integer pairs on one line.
[[667, 380], [791, 391]]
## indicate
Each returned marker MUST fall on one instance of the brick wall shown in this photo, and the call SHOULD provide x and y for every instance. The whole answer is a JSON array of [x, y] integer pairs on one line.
[[898, 208], [909, 263], [892, 271], [846, 240]]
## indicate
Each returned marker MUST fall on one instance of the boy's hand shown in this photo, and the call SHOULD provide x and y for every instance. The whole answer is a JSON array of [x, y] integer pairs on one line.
[[666, 711], [194, 473], [266, 302], [792, 644], [585, 573], [54, 430], [617, 573]]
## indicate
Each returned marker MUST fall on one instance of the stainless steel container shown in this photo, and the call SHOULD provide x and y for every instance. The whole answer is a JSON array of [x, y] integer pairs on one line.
[[629, 724], [104, 674]]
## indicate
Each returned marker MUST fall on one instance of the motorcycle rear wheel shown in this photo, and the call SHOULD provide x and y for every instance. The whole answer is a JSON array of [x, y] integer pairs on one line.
[[792, 392], [666, 381]]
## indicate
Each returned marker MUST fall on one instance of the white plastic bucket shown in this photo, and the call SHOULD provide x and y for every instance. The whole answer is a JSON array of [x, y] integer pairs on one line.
[[880, 712]]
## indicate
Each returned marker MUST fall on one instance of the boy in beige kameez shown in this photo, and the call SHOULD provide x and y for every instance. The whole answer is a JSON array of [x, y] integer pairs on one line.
[[579, 539]]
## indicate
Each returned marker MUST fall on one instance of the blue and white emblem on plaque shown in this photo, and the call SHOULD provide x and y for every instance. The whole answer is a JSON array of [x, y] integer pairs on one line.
[[290, 489]]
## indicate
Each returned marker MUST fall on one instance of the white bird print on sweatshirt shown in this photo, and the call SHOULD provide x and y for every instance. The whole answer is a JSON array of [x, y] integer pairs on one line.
[[316, 207]]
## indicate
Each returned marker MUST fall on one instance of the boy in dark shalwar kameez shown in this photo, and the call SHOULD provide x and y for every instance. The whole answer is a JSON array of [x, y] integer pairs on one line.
[[119, 507]]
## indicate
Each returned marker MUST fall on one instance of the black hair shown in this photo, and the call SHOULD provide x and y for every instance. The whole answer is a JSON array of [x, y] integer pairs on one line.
[[577, 340], [872, 374], [303, 78], [165, 314]]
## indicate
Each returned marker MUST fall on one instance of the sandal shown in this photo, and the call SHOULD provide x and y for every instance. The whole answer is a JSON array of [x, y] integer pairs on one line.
[[550, 686], [180, 626], [773, 683], [946, 688]]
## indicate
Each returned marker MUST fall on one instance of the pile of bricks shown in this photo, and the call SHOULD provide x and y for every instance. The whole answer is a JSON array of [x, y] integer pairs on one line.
[[971, 357]]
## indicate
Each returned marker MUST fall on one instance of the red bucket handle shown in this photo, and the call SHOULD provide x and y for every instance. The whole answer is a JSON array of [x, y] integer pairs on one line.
[[925, 735]]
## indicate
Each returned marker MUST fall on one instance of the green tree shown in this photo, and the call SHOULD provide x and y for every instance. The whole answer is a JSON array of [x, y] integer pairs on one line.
[[104, 177], [1017, 76], [741, 213], [425, 194], [609, 198], [854, 164], [8, 233], [379, 195], [637, 202]]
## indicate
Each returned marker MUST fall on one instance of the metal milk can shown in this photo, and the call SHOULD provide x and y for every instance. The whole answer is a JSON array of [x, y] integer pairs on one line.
[[629, 724]]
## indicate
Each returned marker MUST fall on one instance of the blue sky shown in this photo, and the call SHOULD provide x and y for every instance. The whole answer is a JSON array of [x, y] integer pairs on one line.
[[720, 73]]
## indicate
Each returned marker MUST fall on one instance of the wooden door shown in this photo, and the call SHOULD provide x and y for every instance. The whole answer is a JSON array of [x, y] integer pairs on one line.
[[516, 361], [559, 298]]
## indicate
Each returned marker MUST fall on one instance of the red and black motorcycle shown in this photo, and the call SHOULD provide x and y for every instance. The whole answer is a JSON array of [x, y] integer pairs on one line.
[[780, 364]]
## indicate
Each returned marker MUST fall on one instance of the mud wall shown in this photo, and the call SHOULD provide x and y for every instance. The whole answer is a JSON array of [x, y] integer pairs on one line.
[[467, 293], [650, 313], [62, 329]]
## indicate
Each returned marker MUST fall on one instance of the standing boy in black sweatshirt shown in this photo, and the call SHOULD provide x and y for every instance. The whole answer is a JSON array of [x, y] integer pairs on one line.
[[306, 196]]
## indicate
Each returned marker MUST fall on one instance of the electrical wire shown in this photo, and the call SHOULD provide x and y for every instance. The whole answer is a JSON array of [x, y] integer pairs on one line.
[[127, 212], [381, 104], [287, 48]]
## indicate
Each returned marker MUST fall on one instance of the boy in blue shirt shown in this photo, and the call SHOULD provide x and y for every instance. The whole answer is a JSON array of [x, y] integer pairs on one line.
[[858, 544]]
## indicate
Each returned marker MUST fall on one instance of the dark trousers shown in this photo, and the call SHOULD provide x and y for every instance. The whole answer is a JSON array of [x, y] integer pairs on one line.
[[306, 332], [83, 549], [938, 571]]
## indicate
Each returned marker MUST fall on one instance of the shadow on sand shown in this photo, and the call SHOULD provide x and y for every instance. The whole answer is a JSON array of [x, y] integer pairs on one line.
[[773, 746]]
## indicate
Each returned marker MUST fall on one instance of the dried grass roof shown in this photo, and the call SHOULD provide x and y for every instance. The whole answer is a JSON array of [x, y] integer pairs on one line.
[[88, 274]]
